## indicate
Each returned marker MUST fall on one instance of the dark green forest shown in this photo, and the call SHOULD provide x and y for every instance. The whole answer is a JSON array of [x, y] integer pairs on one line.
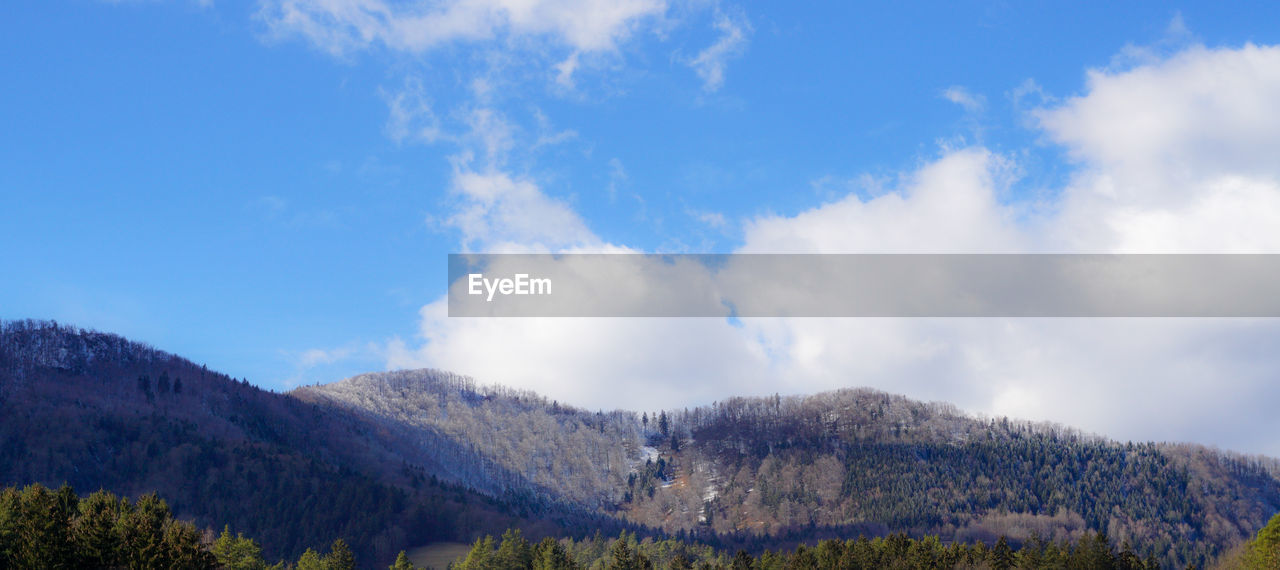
[[1092, 552], [44, 528]]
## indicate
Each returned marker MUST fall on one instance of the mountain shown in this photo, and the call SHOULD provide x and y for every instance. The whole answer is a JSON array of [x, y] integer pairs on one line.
[[97, 411], [777, 470], [391, 460]]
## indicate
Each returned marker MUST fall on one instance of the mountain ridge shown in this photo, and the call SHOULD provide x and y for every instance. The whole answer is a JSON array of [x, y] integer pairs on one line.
[[388, 459]]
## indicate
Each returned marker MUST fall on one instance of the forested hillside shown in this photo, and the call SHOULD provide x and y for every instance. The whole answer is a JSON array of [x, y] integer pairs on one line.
[[389, 461], [881, 462], [759, 472], [96, 411]]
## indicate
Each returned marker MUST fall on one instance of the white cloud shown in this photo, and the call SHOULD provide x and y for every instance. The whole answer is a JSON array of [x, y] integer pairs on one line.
[[950, 205], [565, 69], [1173, 155], [499, 213], [344, 26], [710, 63], [1201, 112], [962, 97], [592, 362]]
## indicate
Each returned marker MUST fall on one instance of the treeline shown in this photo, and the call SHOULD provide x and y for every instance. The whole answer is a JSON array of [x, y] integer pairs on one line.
[[44, 528], [1093, 551]]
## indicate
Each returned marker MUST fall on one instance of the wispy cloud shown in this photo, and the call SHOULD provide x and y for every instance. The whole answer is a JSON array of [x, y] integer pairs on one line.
[[711, 62], [306, 362], [961, 96], [344, 26], [714, 220], [410, 115], [617, 177]]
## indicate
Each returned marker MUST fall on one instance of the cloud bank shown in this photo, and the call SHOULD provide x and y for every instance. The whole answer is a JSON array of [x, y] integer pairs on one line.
[[1173, 155]]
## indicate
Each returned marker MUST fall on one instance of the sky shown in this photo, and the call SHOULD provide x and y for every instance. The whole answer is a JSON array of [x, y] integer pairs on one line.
[[272, 187]]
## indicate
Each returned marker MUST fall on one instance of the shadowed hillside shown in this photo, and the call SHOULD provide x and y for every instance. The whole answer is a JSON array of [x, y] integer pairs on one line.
[[94, 410]]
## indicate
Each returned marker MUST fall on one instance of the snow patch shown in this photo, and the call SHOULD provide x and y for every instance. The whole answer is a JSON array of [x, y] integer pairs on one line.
[[648, 454]]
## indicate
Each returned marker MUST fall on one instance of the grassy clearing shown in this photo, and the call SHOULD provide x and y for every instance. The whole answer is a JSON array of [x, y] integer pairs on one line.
[[437, 555]]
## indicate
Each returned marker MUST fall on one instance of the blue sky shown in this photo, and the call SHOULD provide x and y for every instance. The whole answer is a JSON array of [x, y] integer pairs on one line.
[[272, 187]]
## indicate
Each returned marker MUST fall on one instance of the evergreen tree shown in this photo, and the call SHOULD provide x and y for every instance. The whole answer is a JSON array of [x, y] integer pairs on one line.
[[481, 555], [680, 562], [237, 552], [624, 557], [183, 548], [771, 561], [340, 557], [1264, 550], [141, 529], [9, 517], [310, 560], [514, 551], [551, 555], [41, 538], [1002, 555], [402, 562], [93, 533]]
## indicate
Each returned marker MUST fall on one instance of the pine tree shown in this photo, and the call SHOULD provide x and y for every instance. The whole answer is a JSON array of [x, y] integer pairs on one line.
[[1002, 555], [340, 557], [183, 548], [402, 563], [141, 531], [625, 558], [513, 551], [310, 560], [481, 555], [41, 530], [237, 552], [551, 555], [680, 562], [93, 532]]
